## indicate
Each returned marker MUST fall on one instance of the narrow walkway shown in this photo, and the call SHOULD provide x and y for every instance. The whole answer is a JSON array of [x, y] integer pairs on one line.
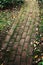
[[17, 49]]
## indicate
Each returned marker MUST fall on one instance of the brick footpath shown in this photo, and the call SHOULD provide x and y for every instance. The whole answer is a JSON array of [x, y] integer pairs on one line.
[[18, 51]]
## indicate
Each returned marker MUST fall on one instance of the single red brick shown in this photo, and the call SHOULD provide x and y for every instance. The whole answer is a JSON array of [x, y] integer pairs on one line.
[[12, 55], [21, 41], [18, 38], [15, 46], [27, 38], [23, 56], [23, 63], [19, 50], [17, 60], [24, 35], [29, 61], [25, 46]]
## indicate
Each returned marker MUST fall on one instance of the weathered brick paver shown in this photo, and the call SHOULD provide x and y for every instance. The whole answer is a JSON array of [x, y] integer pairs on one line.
[[18, 46], [24, 35]]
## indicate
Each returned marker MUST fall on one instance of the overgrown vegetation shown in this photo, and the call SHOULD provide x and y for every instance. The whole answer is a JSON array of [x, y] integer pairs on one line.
[[10, 3], [38, 44], [7, 15]]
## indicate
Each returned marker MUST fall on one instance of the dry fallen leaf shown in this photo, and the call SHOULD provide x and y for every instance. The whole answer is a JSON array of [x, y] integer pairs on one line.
[[36, 56]]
